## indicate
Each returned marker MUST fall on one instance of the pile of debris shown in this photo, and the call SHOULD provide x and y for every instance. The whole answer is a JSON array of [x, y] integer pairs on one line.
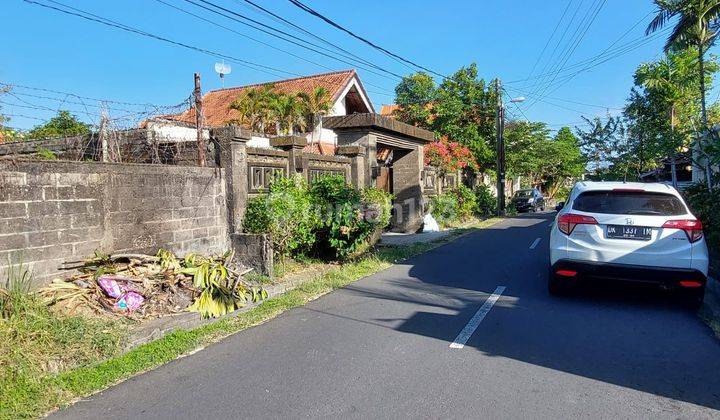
[[139, 286]]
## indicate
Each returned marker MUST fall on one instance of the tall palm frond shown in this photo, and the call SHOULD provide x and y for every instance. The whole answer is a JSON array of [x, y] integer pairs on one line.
[[696, 27], [315, 105], [288, 113]]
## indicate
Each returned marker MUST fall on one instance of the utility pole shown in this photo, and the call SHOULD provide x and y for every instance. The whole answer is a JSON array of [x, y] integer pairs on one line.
[[105, 150], [500, 143], [199, 121]]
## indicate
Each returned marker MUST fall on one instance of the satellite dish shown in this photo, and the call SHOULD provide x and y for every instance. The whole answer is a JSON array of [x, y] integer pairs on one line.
[[222, 69]]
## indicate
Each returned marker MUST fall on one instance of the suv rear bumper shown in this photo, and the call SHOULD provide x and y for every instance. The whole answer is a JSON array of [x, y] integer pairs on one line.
[[670, 277]]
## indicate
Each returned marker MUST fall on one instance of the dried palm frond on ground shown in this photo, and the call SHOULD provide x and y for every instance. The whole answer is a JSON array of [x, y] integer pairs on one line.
[[210, 285]]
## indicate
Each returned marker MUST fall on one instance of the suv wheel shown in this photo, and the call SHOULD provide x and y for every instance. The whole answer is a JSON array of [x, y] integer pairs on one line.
[[693, 298]]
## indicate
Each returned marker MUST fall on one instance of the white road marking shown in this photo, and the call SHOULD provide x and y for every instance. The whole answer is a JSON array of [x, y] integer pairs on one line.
[[534, 244], [472, 325]]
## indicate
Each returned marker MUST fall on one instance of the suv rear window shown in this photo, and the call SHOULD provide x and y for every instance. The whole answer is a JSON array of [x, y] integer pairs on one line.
[[629, 202]]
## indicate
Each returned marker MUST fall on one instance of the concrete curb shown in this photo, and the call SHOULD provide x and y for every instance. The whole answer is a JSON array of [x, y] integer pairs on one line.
[[159, 327]]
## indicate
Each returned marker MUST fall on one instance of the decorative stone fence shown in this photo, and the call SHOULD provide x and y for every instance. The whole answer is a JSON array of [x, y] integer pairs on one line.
[[55, 211]]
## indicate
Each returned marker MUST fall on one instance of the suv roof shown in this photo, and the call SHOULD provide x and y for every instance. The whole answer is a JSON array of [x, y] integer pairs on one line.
[[583, 186]]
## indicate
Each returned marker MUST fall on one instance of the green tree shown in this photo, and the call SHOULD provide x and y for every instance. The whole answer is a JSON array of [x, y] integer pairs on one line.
[[601, 143], [464, 110], [525, 148], [415, 95], [564, 161], [544, 161], [661, 114], [64, 124], [7, 133], [696, 27]]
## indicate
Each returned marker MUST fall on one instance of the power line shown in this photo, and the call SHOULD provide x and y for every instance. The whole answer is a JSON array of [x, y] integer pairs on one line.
[[550, 63], [240, 18], [570, 101], [15, 85], [630, 46], [111, 23], [305, 31], [309, 10], [575, 44], [550, 38], [609, 51], [180, 9], [210, 21]]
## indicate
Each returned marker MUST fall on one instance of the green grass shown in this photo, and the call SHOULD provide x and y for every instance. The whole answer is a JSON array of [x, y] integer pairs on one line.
[[27, 392]]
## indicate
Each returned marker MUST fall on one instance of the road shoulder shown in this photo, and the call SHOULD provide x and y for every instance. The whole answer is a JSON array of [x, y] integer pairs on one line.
[[54, 392]]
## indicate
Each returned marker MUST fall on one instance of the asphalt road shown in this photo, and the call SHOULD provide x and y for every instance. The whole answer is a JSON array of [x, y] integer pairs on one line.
[[382, 348]]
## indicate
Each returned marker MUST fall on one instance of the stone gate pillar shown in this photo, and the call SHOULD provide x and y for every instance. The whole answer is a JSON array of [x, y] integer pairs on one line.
[[231, 156], [357, 155]]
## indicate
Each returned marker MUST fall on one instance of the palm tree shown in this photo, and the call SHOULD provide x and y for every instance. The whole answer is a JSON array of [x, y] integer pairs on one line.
[[696, 27], [315, 106], [254, 106], [287, 111]]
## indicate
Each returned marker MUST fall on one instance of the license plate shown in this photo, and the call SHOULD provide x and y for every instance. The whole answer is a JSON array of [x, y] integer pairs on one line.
[[639, 233]]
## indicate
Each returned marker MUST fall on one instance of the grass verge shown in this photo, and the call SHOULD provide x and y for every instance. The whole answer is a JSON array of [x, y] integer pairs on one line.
[[30, 394]]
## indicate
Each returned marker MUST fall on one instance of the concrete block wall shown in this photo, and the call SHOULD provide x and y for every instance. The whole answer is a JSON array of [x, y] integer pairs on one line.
[[408, 191], [52, 212]]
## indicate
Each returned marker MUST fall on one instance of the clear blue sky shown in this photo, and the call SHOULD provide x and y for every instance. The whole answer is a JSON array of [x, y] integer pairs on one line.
[[46, 49]]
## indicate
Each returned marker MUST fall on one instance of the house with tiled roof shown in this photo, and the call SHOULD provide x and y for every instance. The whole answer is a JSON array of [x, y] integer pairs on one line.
[[389, 110], [345, 90]]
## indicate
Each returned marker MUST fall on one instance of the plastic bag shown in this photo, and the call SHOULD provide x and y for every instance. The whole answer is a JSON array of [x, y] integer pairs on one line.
[[130, 301], [116, 287]]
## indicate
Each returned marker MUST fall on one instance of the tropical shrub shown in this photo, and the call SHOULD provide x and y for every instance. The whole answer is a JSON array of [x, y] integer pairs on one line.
[[378, 206], [444, 208], [486, 201], [467, 202], [286, 213], [348, 217], [705, 205]]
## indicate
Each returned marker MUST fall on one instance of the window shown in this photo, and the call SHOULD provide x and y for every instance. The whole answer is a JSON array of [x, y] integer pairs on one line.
[[629, 202], [524, 194]]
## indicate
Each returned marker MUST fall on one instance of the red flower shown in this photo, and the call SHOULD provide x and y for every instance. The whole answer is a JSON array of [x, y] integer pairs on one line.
[[449, 156]]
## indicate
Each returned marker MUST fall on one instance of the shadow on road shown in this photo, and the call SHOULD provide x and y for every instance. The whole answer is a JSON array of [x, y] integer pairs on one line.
[[631, 336]]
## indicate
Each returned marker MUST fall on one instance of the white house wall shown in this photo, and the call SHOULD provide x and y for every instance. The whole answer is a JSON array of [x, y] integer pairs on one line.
[[173, 131]]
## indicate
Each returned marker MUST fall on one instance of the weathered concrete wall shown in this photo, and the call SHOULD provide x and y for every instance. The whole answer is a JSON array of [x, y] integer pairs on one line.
[[53, 211], [255, 251]]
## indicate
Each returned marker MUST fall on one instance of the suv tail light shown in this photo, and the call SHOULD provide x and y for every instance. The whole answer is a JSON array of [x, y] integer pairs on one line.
[[567, 222], [693, 228]]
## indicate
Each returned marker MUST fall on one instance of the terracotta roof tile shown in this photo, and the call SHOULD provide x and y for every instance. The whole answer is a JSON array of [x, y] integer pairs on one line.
[[321, 149], [387, 110], [216, 103]]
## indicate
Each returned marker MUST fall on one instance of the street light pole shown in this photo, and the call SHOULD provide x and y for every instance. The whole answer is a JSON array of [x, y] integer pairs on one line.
[[500, 152]]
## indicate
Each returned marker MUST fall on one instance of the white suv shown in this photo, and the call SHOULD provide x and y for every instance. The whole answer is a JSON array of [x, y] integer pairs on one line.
[[628, 231]]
